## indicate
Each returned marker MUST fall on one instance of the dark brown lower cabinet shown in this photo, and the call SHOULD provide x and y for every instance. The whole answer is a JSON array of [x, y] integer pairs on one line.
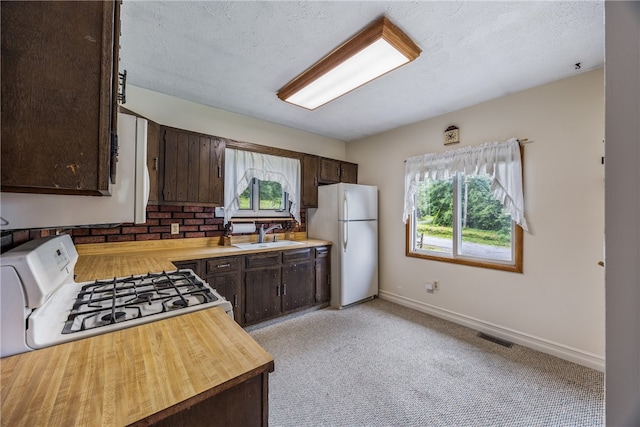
[[245, 404], [266, 285], [223, 274], [277, 283], [323, 275], [297, 280], [262, 290]]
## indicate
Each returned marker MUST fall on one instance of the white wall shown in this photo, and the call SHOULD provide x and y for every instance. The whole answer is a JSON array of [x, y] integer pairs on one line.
[[557, 304], [176, 112], [622, 30]]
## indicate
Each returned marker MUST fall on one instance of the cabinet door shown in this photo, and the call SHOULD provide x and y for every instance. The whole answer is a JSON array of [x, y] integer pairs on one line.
[[58, 107], [262, 294], [310, 181], [322, 272], [349, 173], [193, 168], [228, 285], [329, 171], [297, 286], [153, 159]]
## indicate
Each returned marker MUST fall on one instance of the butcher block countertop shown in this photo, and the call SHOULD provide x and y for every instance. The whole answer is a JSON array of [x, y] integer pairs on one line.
[[188, 249], [123, 377]]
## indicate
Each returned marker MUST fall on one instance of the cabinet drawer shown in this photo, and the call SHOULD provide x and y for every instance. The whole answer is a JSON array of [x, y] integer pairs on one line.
[[296, 255], [267, 259], [221, 265], [322, 252]]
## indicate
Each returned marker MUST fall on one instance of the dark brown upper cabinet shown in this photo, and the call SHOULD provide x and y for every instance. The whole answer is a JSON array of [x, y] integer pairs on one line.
[[153, 159], [348, 173], [334, 171], [59, 96], [192, 169], [309, 196], [329, 171], [321, 170]]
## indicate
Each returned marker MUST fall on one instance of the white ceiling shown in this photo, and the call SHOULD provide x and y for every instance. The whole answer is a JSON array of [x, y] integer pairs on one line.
[[235, 55]]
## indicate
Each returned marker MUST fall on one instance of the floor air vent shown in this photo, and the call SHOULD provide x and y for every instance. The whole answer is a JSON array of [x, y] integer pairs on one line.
[[502, 342]]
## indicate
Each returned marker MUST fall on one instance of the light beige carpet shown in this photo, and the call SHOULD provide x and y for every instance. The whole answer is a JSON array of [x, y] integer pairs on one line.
[[381, 364]]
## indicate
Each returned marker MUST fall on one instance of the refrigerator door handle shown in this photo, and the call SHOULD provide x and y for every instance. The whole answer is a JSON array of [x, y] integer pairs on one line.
[[345, 235], [346, 207]]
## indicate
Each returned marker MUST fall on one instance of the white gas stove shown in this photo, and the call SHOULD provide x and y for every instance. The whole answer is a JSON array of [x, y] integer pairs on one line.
[[41, 305]]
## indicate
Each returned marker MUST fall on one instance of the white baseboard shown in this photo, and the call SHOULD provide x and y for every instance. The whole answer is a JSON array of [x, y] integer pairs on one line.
[[555, 349]]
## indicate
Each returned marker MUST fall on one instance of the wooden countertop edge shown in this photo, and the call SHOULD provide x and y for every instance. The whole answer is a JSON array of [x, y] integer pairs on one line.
[[185, 404]]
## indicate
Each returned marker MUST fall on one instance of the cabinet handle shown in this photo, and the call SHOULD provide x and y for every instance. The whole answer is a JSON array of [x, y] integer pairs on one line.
[[223, 265], [278, 290], [284, 287], [315, 181], [235, 301], [155, 163], [219, 172]]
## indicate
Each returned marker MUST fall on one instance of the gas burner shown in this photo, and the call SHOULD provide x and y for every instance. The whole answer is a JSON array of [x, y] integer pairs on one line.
[[115, 317], [180, 303]]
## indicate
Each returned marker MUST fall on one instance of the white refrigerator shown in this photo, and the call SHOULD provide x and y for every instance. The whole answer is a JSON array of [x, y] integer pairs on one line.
[[347, 214]]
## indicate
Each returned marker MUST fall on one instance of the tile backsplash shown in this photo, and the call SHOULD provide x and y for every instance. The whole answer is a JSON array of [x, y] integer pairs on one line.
[[193, 221]]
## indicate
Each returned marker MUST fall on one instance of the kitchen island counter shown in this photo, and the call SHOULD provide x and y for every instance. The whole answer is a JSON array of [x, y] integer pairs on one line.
[[152, 373]]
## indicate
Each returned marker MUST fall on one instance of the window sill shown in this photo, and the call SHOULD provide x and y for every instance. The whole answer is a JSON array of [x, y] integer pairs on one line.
[[517, 268]]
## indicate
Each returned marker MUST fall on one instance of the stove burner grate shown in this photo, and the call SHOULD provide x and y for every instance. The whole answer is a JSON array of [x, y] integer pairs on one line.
[[106, 302]]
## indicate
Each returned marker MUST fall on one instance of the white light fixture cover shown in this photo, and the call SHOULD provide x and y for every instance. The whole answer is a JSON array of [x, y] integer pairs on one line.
[[378, 49]]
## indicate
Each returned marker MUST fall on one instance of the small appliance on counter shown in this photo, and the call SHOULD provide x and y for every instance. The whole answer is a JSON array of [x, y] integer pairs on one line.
[[41, 305], [347, 214]]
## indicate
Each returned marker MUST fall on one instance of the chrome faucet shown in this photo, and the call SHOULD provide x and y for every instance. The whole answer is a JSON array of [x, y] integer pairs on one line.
[[262, 232]]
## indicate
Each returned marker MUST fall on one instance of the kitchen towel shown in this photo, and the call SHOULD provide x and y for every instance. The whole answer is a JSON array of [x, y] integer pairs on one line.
[[249, 227]]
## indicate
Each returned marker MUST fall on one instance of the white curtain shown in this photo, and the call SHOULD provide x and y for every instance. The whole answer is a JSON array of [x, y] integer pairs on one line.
[[241, 166], [500, 160]]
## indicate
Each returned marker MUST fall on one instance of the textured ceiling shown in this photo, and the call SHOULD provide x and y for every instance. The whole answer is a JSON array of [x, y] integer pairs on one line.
[[236, 55]]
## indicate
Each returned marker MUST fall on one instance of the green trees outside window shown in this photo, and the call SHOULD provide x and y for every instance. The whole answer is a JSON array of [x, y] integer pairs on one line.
[[263, 195], [460, 217]]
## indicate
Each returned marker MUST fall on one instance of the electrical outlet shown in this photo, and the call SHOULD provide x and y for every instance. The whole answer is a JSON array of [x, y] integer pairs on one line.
[[175, 228], [436, 285]]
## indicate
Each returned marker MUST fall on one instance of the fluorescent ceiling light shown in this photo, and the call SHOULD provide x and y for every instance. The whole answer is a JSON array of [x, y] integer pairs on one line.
[[376, 50]]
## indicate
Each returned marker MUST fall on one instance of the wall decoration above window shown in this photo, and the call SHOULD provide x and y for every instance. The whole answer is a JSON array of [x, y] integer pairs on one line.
[[451, 135]]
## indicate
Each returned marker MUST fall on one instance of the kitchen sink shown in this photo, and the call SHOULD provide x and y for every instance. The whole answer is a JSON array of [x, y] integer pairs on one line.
[[266, 245]]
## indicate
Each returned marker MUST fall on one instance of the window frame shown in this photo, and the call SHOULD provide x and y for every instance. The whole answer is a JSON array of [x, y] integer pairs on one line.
[[517, 237], [256, 212]]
